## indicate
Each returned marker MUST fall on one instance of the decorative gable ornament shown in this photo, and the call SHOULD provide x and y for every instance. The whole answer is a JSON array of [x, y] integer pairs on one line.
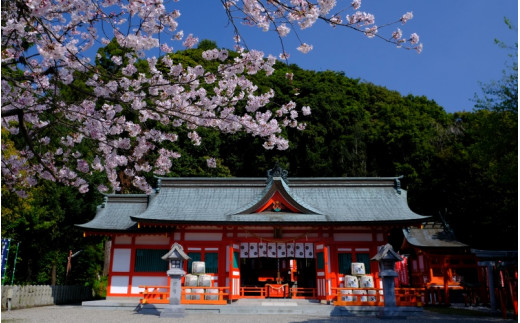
[[277, 203], [277, 171]]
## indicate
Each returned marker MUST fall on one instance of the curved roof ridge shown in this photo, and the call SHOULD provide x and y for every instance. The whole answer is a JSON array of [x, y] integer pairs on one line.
[[277, 184]]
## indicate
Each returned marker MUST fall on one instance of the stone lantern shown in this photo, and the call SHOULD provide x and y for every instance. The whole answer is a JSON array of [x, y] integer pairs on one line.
[[175, 257], [387, 257]]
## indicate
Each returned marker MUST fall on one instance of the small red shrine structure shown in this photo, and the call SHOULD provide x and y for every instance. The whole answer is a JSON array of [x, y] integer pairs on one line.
[[258, 237], [438, 262]]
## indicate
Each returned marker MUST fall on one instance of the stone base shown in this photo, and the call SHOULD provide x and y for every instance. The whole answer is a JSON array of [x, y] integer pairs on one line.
[[391, 313], [173, 311]]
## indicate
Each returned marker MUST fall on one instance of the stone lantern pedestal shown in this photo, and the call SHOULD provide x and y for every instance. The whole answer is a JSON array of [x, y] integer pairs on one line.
[[175, 258], [387, 257]]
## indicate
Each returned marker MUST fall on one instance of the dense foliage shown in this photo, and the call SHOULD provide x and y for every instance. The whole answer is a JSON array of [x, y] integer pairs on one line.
[[461, 165]]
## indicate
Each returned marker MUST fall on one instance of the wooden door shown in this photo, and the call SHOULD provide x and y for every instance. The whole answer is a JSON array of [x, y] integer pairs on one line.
[[233, 270], [323, 274]]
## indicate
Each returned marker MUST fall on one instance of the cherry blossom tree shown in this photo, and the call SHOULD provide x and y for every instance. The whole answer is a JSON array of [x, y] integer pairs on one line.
[[119, 116]]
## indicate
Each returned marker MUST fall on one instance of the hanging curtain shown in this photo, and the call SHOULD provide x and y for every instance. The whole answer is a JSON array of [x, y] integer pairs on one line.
[[290, 250], [281, 250], [253, 250], [262, 249], [309, 250], [271, 250], [244, 250], [299, 250]]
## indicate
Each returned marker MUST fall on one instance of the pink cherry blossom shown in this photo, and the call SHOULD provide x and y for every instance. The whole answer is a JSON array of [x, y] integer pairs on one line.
[[211, 162], [118, 108], [190, 41], [283, 30], [407, 16], [305, 48], [414, 39], [306, 110], [356, 4]]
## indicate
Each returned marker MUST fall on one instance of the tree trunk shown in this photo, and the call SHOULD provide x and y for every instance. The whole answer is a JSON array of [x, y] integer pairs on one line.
[[53, 275]]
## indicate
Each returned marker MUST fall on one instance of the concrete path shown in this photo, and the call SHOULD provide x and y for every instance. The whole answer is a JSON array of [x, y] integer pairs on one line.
[[90, 314]]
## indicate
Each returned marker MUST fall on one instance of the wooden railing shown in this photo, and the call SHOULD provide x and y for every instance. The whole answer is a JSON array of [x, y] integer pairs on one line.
[[303, 293], [343, 296], [375, 297], [189, 295], [252, 292], [204, 295], [410, 296], [155, 295], [293, 292]]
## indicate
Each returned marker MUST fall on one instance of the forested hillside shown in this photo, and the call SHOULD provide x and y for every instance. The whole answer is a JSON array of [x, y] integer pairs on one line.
[[462, 165]]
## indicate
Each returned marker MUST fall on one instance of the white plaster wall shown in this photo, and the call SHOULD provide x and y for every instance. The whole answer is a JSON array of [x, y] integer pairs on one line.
[[121, 260], [148, 281], [119, 285]]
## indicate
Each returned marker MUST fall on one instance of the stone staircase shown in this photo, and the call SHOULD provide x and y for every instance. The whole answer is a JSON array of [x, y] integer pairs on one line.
[[257, 306]]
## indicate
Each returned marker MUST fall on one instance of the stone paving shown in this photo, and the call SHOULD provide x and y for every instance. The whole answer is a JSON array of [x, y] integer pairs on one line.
[[78, 313]]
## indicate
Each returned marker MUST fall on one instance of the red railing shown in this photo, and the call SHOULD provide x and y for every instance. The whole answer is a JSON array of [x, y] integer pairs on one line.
[[343, 297], [189, 295], [266, 291], [252, 292], [303, 293], [204, 295]]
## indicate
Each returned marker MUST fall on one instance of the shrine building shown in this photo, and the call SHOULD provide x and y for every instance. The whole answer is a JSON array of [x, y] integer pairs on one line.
[[299, 232]]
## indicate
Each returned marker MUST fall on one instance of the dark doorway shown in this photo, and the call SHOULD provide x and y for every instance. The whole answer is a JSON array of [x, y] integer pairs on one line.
[[256, 272]]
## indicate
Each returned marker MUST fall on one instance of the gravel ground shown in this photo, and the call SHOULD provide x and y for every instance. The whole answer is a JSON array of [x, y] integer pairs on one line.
[[76, 314]]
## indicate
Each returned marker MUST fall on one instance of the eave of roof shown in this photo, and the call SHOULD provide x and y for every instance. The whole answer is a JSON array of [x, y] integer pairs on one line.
[[431, 238], [114, 215], [233, 201]]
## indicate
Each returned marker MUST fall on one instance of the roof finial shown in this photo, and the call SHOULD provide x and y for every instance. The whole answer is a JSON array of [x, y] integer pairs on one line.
[[398, 184], [158, 188], [277, 171]]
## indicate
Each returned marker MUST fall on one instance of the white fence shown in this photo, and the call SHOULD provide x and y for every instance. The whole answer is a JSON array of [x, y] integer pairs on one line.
[[41, 295]]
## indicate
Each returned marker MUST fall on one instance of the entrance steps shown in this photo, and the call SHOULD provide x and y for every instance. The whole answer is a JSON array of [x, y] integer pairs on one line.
[[254, 306]]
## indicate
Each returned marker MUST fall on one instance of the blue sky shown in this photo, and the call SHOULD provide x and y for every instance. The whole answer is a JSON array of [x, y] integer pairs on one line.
[[458, 38]]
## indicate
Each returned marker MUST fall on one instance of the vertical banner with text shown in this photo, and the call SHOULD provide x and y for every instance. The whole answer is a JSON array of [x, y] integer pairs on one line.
[[5, 253]]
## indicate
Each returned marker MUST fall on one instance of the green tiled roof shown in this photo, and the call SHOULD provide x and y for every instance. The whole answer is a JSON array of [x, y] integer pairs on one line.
[[114, 214], [432, 235], [235, 200]]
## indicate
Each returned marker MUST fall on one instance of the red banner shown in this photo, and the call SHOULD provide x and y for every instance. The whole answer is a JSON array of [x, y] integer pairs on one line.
[[401, 268]]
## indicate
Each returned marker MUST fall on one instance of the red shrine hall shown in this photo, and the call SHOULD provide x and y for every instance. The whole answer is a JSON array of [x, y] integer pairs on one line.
[[257, 237]]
